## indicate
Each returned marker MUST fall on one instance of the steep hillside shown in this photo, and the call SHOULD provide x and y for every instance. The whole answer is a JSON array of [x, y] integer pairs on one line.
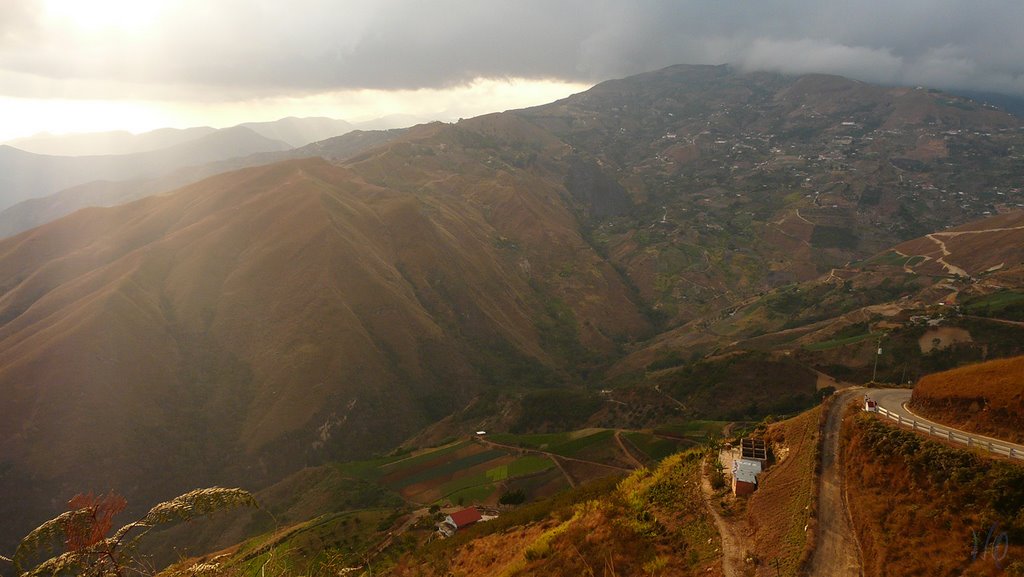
[[653, 522], [263, 319], [743, 182], [986, 398], [922, 508], [834, 323]]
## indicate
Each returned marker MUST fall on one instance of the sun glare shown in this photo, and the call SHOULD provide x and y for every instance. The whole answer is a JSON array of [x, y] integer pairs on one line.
[[24, 117], [100, 15]]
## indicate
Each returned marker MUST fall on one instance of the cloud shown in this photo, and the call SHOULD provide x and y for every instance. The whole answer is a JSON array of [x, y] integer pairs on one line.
[[230, 49], [17, 17], [806, 56]]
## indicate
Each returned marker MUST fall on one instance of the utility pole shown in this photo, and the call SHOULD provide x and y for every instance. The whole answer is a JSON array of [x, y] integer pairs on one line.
[[878, 353]]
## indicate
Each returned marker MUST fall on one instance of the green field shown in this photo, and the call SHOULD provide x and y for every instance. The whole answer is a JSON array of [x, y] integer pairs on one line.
[[375, 468], [538, 441], [1004, 304], [410, 462], [655, 448], [695, 429], [471, 494], [529, 465], [485, 481], [447, 468], [565, 444]]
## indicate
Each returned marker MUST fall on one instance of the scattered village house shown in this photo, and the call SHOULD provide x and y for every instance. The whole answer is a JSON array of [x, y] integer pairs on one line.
[[459, 520], [753, 454]]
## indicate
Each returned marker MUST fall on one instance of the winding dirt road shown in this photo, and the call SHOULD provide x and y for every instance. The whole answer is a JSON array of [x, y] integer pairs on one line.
[[836, 553]]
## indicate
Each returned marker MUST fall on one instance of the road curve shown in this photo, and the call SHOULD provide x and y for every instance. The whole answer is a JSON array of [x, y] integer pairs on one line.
[[894, 401], [836, 553]]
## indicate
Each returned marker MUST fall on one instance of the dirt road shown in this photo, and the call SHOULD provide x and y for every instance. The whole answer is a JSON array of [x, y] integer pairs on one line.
[[733, 547], [836, 554]]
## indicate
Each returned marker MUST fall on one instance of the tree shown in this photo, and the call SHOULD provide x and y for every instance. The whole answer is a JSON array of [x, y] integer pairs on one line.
[[83, 532], [514, 497]]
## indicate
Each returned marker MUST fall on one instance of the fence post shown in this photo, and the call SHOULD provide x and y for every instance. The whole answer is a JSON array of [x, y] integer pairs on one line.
[[968, 440], [949, 436], [931, 430], [899, 419]]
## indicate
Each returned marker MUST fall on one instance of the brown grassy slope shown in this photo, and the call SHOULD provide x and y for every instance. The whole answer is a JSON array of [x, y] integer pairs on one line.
[[987, 398], [917, 505], [259, 319], [782, 506], [654, 522]]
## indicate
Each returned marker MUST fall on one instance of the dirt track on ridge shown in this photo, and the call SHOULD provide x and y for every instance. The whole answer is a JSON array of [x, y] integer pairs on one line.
[[836, 553]]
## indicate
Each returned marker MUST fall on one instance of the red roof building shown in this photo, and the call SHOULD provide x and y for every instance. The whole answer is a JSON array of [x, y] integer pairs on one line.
[[464, 518]]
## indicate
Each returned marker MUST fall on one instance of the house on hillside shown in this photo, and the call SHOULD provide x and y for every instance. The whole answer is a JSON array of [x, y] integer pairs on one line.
[[754, 450], [744, 476], [751, 461], [459, 520]]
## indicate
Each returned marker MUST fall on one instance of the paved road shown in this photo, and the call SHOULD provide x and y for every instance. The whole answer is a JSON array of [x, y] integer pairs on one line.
[[893, 400]]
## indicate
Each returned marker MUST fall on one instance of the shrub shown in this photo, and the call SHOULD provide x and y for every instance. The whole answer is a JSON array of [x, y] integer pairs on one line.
[[83, 532]]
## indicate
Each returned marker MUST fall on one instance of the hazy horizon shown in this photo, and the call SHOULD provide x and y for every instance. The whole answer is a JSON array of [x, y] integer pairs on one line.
[[69, 67]]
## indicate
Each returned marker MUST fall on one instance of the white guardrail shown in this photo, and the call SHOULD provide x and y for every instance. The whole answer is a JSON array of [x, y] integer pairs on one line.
[[954, 436]]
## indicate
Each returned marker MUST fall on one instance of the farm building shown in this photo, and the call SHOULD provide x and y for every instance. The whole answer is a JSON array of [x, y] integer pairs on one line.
[[459, 520], [752, 459], [744, 476], [754, 450]]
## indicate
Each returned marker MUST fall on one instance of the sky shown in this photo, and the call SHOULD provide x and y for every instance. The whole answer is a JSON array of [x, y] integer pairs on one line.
[[87, 65]]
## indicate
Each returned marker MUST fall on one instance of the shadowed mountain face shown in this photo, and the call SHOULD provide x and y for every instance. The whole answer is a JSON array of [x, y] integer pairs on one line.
[[263, 319]]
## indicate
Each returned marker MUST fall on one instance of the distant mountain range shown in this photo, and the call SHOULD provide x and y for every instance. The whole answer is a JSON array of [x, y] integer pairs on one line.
[[37, 211], [24, 175], [295, 132], [103, 169], [648, 231]]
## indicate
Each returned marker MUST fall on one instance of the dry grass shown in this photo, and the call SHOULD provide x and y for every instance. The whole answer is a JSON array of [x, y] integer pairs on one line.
[[987, 398], [916, 507], [652, 523], [782, 507]]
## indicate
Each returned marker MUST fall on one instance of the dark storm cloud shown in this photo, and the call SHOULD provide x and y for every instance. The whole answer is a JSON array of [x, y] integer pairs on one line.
[[265, 47]]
